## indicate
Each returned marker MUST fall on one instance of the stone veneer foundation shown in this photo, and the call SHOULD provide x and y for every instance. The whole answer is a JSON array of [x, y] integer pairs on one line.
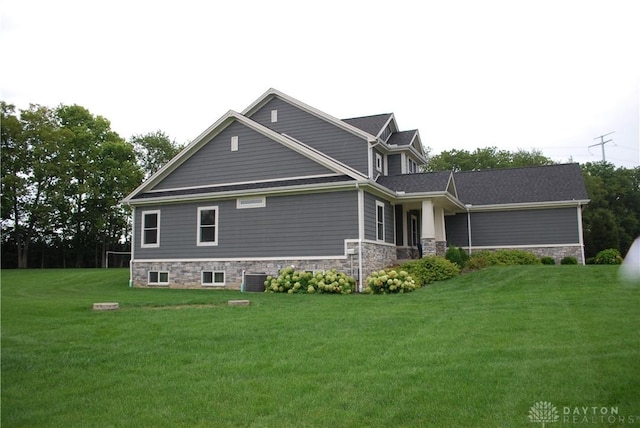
[[375, 256], [187, 274]]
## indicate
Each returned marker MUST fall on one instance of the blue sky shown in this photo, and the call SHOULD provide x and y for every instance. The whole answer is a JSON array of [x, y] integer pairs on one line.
[[549, 75]]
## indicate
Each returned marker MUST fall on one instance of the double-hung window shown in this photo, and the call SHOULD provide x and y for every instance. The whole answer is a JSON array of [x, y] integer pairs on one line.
[[379, 221], [150, 229], [208, 226]]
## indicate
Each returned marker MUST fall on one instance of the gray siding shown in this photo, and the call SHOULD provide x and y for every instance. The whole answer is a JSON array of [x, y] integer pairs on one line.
[[526, 227], [315, 132], [257, 158], [370, 223], [297, 225], [394, 164]]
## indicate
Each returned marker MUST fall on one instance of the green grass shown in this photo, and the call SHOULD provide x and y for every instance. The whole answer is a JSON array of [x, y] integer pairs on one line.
[[478, 350]]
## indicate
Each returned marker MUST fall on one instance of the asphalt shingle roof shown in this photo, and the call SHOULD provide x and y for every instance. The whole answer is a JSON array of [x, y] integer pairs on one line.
[[371, 124], [248, 186], [549, 183], [402, 138], [416, 183]]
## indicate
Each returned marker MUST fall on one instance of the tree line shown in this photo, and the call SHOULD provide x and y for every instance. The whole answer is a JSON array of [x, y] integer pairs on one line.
[[65, 171]]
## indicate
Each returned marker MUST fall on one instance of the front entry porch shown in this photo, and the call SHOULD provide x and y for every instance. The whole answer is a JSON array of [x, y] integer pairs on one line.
[[420, 229]]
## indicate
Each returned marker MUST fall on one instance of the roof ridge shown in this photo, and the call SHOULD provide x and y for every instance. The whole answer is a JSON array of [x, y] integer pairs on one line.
[[368, 115], [517, 167]]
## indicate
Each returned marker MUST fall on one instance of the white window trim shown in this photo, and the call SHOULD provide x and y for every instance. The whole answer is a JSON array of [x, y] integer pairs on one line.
[[143, 228], [159, 282], [234, 143], [213, 277], [380, 204], [379, 160], [274, 116], [216, 227], [256, 202]]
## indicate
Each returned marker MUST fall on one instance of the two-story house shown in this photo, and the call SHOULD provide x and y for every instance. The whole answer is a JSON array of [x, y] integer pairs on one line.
[[282, 184]]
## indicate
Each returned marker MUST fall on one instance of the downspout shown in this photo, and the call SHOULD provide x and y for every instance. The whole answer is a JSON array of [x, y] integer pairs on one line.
[[581, 232], [468, 207], [360, 235], [133, 238]]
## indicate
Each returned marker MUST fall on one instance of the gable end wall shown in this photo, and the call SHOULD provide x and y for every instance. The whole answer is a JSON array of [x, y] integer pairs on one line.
[[315, 132], [257, 158]]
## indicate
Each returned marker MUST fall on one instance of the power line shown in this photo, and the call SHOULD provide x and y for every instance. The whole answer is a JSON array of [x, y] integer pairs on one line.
[[602, 143]]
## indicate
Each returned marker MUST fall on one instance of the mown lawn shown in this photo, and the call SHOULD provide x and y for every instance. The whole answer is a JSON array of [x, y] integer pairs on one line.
[[478, 350]]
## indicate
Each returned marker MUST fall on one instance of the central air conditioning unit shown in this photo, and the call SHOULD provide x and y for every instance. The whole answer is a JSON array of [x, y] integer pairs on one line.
[[254, 281]]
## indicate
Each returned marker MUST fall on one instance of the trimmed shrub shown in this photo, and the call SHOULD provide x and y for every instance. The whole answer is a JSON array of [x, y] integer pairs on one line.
[[292, 281], [548, 260], [390, 281], [569, 260], [457, 255], [430, 269], [610, 256], [483, 259]]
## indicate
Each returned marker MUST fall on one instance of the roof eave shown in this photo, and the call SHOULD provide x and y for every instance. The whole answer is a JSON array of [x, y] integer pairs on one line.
[[528, 205], [305, 188]]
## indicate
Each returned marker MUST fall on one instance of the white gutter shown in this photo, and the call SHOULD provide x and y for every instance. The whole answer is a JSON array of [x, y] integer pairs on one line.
[[530, 205]]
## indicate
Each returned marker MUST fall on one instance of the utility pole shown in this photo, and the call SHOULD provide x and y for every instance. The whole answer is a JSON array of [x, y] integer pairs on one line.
[[602, 143]]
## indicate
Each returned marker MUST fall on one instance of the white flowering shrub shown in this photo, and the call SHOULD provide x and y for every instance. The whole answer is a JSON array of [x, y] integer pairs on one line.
[[292, 281], [390, 281]]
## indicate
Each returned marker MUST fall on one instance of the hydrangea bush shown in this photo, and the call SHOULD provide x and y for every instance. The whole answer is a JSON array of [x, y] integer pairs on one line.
[[292, 281], [390, 281]]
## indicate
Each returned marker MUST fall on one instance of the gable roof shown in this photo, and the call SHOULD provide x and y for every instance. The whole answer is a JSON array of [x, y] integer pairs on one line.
[[222, 123], [272, 93], [370, 124], [550, 183], [402, 138]]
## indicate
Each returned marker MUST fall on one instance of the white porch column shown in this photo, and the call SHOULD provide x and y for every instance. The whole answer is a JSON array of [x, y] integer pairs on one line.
[[428, 235], [441, 233], [428, 221]]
